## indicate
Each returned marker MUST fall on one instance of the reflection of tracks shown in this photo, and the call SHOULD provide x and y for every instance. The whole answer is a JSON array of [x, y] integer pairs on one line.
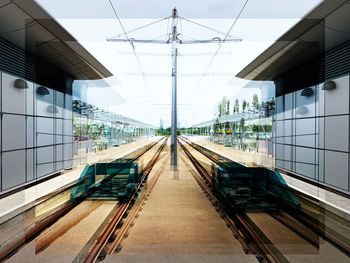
[[51, 234], [115, 244], [33, 231], [268, 235], [112, 232]]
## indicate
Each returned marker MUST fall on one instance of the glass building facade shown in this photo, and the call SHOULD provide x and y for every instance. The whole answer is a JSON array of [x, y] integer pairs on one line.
[[312, 133], [96, 129], [36, 132]]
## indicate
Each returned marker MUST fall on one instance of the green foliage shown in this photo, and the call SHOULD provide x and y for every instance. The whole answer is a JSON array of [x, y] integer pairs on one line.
[[261, 128], [255, 102], [227, 108], [269, 106], [224, 107], [241, 124], [216, 127], [164, 132], [244, 105], [236, 106]]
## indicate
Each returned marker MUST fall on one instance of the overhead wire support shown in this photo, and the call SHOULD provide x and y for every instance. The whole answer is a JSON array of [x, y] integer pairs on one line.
[[174, 42], [173, 38]]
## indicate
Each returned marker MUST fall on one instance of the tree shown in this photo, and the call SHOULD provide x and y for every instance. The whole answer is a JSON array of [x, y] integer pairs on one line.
[[236, 106], [224, 107], [255, 102], [241, 125], [227, 127], [242, 129], [219, 109], [271, 106], [227, 108], [234, 127], [216, 127], [264, 108], [244, 105]]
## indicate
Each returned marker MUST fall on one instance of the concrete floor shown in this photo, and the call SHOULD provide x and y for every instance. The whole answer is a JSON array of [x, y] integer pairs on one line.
[[179, 224]]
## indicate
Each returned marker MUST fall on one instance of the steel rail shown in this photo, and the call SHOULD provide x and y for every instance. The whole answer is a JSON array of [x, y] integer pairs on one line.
[[120, 233], [6, 250], [97, 248], [257, 243], [303, 219]]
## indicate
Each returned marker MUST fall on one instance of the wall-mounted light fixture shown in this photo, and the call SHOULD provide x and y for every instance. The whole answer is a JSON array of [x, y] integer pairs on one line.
[[20, 84], [302, 110], [42, 91], [329, 85], [52, 109], [307, 92]]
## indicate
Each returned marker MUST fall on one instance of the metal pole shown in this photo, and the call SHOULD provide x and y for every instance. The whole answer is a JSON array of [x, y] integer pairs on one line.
[[174, 92]]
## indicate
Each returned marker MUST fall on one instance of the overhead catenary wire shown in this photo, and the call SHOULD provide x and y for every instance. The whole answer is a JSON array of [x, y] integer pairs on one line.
[[218, 40], [220, 45], [181, 27], [141, 27], [204, 26], [132, 46], [167, 29], [121, 24]]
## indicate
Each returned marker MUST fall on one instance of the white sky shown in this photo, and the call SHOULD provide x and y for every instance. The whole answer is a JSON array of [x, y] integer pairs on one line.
[[148, 98]]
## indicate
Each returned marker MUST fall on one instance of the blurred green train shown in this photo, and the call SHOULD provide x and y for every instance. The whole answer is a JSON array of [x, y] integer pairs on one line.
[[116, 180], [251, 188]]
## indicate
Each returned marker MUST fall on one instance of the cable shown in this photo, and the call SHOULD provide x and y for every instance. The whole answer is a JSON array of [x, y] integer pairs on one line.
[[121, 25], [204, 26], [189, 37], [220, 45], [141, 27], [181, 28], [167, 30], [133, 48], [158, 37]]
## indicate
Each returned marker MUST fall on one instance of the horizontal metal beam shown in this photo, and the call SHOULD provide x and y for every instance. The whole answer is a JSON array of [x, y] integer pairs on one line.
[[181, 75], [184, 42]]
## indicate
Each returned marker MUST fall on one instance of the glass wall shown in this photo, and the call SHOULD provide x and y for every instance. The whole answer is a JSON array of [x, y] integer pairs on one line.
[[245, 134], [36, 131], [95, 130]]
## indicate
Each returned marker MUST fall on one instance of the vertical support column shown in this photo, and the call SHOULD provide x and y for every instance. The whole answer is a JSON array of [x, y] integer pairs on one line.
[[174, 93]]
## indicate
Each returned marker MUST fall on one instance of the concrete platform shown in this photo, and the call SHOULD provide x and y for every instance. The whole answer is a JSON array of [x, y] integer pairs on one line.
[[19, 202], [335, 203], [179, 224]]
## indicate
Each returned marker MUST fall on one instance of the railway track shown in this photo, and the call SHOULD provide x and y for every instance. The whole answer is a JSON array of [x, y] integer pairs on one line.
[[114, 244], [112, 235], [29, 234], [266, 234]]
